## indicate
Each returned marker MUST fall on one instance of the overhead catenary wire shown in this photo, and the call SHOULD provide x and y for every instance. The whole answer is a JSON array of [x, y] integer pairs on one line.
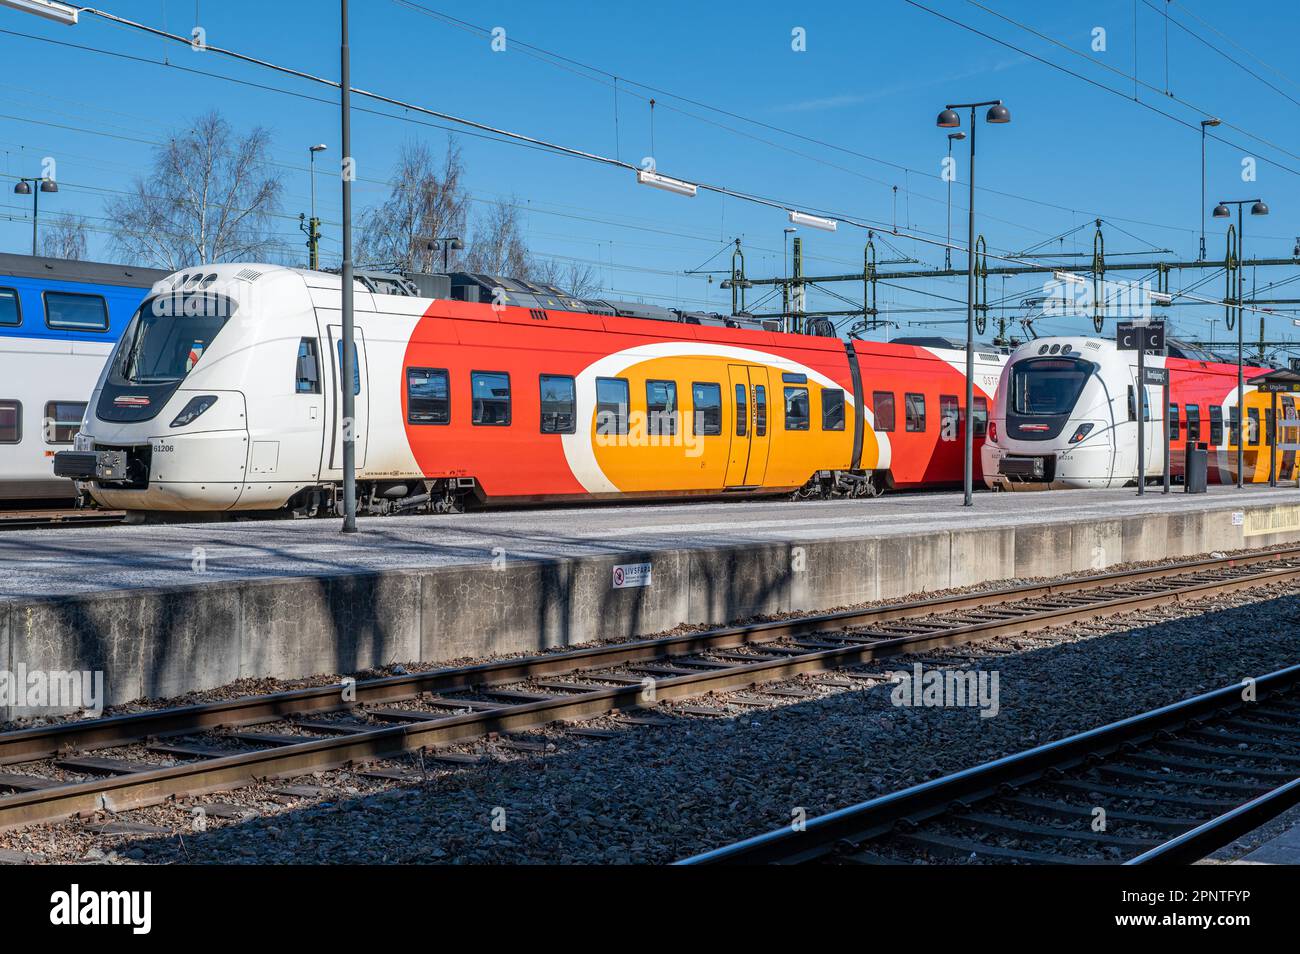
[[533, 141]]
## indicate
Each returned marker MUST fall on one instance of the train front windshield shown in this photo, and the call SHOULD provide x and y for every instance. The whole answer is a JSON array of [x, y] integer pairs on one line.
[[168, 336], [1048, 386]]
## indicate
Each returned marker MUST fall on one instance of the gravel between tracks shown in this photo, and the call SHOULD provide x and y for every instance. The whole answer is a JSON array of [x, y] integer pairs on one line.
[[657, 794]]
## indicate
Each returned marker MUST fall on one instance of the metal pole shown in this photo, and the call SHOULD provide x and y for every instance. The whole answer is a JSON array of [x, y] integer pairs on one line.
[[1201, 257], [1241, 376], [36, 194], [968, 462], [312, 226], [1166, 427], [349, 345], [947, 252], [1271, 437], [1142, 411]]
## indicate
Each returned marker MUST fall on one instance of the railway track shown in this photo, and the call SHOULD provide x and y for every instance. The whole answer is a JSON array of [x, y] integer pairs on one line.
[[1168, 786], [122, 762], [36, 519]]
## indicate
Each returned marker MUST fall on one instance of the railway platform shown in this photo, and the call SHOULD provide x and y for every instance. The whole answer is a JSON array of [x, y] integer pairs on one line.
[[162, 610]]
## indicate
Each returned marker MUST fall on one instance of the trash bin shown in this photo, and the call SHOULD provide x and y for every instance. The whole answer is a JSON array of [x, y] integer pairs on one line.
[[1197, 469]]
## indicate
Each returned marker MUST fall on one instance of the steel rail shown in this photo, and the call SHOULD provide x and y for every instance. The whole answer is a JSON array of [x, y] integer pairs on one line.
[[859, 823], [138, 789]]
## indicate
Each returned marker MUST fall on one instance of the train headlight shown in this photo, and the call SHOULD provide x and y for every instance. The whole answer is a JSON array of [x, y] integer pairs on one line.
[[993, 432], [1080, 433], [83, 442], [190, 412]]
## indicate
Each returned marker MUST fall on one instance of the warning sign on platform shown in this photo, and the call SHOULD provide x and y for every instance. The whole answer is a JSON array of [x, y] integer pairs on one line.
[[631, 574]]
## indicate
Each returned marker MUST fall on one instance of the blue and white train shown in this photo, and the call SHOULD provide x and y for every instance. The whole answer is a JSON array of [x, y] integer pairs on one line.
[[58, 322]]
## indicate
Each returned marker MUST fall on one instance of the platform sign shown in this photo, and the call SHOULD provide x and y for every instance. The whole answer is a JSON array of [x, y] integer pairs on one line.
[[1279, 387], [1145, 336], [1159, 376], [631, 574]]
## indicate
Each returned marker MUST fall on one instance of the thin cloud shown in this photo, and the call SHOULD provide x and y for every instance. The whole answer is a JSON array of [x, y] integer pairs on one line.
[[855, 99]]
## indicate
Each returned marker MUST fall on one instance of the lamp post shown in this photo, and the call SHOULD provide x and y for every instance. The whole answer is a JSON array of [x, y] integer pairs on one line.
[[349, 356], [449, 243], [313, 224], [25, 187], [1204, 124], [947, 252], [1221, 211], [785, 287], [949, 119]]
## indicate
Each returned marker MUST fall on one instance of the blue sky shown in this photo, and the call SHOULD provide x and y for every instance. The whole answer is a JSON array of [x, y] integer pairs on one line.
[[868, 86]]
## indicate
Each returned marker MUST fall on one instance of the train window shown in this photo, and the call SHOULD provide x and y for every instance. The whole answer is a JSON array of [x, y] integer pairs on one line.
[[491, 398], [611, 405], [1234, 427], [1252, 425], [559, 404], [1270, 425], [1193, 422], [1173, 422], [11, 312], [707, 401], [63, 420], [428, 396], [760, 410], [796, 408], [742, 410], [11, 422], [1132, 405], [356, 368], [307, 375], [76, 312], [661, 408], [981, 416], [1048, 386], [832, 409], [883, 403], [949, 417], [914, 411], [1216, 424]]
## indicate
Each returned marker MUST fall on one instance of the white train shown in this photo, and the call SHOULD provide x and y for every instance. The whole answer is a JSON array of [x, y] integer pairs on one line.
[[224, 395], [58, 322], [1066, 415]]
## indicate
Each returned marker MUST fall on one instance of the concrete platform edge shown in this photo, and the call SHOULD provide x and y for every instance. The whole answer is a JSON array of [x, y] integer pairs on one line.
[[166, 641]]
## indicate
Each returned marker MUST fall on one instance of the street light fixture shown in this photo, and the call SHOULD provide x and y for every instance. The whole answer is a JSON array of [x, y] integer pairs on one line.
[[448, 243], [951, 119], [24, 187], [1221, 211]]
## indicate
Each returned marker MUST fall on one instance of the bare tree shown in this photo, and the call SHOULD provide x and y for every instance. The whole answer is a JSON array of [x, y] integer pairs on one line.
[[427, 201], [209, 198], [65, 237], [497, 246], [576, 278]]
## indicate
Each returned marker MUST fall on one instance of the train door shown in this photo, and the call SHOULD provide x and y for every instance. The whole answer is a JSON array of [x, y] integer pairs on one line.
[[1288, 437], [361, 391], [297, 418], [741, 436], [750, 436]]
